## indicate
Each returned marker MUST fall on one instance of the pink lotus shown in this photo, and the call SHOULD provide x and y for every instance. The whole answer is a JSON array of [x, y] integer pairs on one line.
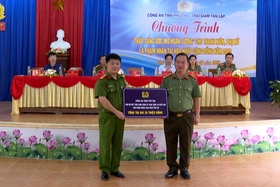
[[226, 147], [7, 143], [81, 137], [47, 135], [123, 146], [256, 138], [221, 139], [32, 139], [270, 131], [52, 145], [3, 135], [250, 141], [96, 150], [274, 139], [149, 138], [195, 137], [209, 136], [21, 141], [66, 140], [154, 146], [199, 145], [17, 134], [86, 146], [245, 134]]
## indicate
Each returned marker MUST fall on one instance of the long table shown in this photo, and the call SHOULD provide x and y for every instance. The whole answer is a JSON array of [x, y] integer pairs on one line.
[[77, 92]]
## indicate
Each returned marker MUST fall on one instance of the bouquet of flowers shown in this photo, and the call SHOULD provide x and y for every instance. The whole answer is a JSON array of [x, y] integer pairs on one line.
[[275, 92], [239, 73], [58, 50], [50, 72]]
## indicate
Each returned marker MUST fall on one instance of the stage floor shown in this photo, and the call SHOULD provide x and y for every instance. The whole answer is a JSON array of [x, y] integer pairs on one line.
[[259, 112]]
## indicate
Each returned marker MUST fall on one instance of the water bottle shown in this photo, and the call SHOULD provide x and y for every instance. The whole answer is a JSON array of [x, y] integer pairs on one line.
[[219, 72], [60, 71], [28, 70], [93, 71], [156, 71], [142, 71]]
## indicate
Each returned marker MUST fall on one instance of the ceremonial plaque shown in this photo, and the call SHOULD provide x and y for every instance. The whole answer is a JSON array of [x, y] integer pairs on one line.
[[145, 102]]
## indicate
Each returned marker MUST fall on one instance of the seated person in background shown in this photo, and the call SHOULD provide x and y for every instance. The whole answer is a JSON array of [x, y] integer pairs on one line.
[[227, 65], [60, 43], [168, 66], [53, 65], [193, 66], [102, 65]]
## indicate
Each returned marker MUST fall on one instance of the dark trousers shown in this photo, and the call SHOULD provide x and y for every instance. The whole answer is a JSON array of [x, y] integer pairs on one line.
[[182, 128]]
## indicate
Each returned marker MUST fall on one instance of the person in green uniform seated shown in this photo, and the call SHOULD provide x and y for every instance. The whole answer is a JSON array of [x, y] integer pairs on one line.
[[183, 94], [193, 66], [109, 91], [102, 65], [227, 65]]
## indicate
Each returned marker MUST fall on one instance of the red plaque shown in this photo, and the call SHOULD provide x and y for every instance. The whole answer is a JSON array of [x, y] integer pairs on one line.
[[72, 73]]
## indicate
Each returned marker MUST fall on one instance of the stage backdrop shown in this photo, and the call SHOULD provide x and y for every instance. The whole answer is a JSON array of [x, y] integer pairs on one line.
[[142, 32]]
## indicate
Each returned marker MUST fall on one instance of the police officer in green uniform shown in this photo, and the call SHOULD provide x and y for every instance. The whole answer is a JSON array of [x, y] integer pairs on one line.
[[109, 91], [227, 65], [102, 65], [183, 94]]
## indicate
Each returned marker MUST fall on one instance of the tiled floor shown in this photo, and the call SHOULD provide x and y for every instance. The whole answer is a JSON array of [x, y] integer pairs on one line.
[[258, 170]]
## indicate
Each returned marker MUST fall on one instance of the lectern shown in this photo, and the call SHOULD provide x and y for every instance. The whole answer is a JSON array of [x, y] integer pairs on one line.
[[64, 60]]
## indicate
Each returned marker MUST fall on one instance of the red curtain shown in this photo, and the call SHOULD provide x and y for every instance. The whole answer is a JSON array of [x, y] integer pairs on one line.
[[49, 20]]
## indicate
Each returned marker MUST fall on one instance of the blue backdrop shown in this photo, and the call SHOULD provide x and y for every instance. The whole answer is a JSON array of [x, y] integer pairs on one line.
[[17, 43]]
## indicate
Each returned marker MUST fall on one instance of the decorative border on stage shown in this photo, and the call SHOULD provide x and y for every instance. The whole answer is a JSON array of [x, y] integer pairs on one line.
[[69, 143]]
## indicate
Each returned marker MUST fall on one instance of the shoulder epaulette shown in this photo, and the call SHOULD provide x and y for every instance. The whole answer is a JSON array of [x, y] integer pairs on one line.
[[221, 64], [98, 65], [192, 76], [103, 76]]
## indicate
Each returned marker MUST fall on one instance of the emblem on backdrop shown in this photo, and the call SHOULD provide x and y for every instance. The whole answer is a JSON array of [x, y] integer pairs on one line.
[[2, 16], [184, 6]]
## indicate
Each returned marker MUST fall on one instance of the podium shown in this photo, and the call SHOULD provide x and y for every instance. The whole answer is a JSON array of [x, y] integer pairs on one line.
[[63, 59]]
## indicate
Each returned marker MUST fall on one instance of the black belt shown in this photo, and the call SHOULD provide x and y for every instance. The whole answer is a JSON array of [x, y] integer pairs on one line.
[[181, 114]]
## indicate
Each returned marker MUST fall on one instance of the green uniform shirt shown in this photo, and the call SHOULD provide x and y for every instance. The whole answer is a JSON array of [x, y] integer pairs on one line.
[[180, 92], [98, 68], [223, 67], [196, 68], [112, 89]]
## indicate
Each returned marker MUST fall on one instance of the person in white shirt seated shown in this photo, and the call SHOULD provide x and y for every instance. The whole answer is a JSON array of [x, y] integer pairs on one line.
[[168, 66], [60, 43]]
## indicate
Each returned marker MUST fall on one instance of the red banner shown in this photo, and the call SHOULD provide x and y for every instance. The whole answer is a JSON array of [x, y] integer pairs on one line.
[[49, 19]]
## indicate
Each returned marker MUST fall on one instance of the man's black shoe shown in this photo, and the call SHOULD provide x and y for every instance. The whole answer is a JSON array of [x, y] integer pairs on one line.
[[118, 174], [185, 174], [105, 176], [170, 174]]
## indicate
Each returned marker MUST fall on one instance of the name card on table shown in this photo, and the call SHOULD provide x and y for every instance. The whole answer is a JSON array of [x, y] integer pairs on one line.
[[165, 73], [37, 72], [145, 102], [72, 73], [100, 73], [135, 72], [193, 73], [226, 73]]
